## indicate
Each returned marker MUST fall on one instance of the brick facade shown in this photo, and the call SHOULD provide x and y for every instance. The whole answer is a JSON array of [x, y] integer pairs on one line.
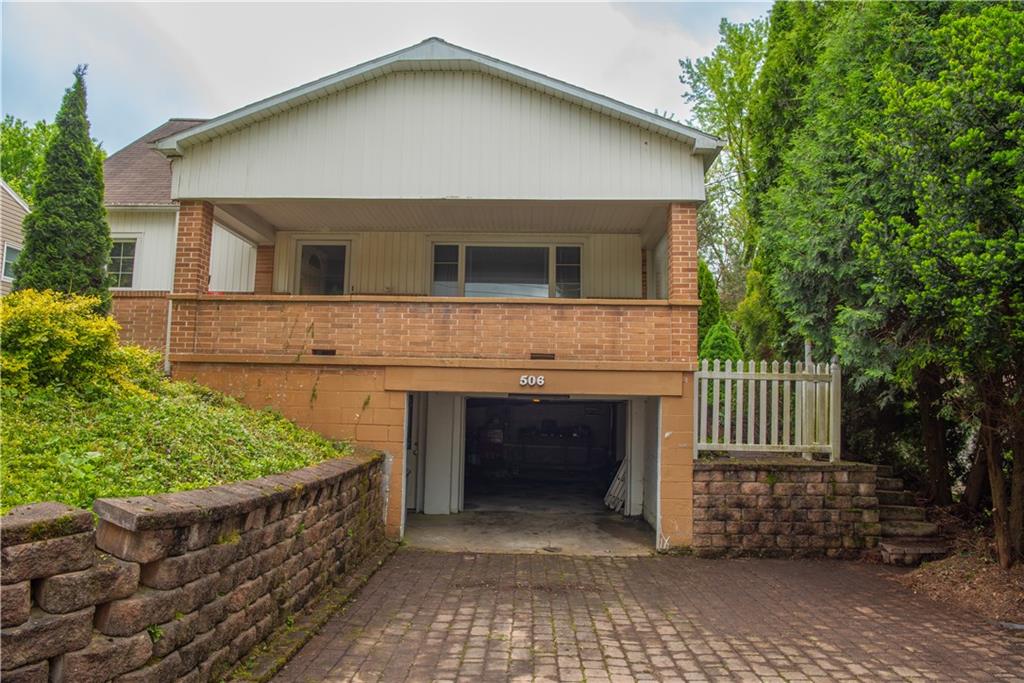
[[263, 282], [410, 328], [362, 330], [143, 318], [178, 586], [682, 252], [192, 257]]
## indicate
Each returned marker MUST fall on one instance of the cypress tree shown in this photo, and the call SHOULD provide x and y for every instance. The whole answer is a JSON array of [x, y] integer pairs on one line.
[[67, 238], [710, 305], [721, 343]]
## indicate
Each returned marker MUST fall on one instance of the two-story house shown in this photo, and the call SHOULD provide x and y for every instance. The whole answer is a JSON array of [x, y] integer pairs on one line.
[[486, 272]]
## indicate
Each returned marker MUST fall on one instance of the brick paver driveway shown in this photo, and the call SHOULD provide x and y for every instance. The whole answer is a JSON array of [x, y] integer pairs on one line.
[[434, 616]]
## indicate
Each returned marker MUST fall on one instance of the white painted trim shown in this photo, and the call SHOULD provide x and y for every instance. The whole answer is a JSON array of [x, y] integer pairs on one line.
[[435, 51], [326, 241], [660, 543], [139, 241], [3, 257]]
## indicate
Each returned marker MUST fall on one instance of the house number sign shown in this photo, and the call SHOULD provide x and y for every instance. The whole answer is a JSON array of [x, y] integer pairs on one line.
[[531, 380]]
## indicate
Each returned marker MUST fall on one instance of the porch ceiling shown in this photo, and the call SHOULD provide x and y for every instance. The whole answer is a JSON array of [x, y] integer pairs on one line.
[[453, 215]]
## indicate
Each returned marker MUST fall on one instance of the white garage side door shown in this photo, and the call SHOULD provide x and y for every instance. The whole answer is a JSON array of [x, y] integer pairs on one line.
[[232, 262]]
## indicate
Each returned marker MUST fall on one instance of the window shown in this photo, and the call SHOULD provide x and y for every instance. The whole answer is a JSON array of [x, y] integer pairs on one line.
[[446, 270], [567, 272], [11, 253], [322, 268], [122, 263], [506, 271]]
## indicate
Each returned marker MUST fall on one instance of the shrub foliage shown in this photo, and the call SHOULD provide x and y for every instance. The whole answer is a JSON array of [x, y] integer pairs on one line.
[[84, 417]]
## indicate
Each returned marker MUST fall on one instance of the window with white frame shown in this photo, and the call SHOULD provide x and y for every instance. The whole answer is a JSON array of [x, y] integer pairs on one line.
[[11, 253], [322, 268], [514, 271], [122, 263]]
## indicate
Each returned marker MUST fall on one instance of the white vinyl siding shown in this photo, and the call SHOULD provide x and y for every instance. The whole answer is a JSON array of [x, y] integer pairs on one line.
[[402, 262], [232, 259], [153, 232], [440, 134], [232, 262]]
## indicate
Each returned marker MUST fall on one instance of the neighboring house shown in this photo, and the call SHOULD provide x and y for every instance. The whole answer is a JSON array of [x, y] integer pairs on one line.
[[478, 269], [12, 212], [143, 219]]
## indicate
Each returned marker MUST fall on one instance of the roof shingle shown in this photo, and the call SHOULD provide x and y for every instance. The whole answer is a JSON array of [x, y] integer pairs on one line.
[[139, 175]]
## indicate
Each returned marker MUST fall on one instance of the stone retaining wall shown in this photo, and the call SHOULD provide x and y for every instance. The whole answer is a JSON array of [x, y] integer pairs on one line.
[[784, 507], [178, 586]]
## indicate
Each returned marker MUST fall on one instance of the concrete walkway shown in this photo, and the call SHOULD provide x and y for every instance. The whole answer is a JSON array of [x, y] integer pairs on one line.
[[559, 522], [473, 617]]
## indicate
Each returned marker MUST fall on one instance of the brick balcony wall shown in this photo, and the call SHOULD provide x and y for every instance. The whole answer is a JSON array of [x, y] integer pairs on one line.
[[782, 508], [178, 586], [354, 326], [143, 318]]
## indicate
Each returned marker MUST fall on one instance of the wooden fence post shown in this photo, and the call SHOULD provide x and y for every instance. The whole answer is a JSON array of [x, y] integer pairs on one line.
[[835, 411]]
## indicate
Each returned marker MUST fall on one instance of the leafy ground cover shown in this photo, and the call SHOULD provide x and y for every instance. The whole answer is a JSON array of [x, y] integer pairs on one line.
[[84, 417], [73, 449]]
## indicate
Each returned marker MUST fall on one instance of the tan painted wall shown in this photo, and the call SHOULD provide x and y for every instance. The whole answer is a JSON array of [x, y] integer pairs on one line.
[[433, 134], [401, 262], [11, 215]]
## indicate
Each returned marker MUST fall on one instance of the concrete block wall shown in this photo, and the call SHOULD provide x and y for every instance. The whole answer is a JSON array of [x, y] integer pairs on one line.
[[339, 402], [178, 586], [784, 508]]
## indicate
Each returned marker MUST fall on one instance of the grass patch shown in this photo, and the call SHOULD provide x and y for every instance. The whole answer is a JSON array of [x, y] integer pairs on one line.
[[74, 447]]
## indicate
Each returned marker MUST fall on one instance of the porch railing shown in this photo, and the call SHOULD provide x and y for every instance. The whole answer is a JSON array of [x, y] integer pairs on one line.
[[757, 408]]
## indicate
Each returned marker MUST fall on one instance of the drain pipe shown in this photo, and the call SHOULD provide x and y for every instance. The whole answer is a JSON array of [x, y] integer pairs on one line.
[[167, 337]]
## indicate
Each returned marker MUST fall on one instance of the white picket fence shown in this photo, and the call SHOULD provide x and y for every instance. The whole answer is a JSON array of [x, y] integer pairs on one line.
[[781, 408]]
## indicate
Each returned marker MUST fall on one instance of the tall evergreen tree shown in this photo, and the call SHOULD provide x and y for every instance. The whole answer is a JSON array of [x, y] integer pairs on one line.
[[710, 306], [67, 238]]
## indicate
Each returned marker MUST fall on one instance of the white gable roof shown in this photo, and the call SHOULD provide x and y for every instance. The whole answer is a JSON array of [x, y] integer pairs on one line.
[[431, 55]]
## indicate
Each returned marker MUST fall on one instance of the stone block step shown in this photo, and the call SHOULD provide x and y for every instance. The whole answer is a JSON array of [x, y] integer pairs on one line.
[[912, 551], [909, 513], [895, 497], [907, 529], [884, 470], [889, 484]]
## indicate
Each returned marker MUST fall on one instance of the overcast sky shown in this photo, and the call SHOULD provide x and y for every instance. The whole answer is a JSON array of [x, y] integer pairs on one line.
[[150, 62]]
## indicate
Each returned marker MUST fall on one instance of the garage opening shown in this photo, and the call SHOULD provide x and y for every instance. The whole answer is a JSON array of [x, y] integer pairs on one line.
[[539, 454]]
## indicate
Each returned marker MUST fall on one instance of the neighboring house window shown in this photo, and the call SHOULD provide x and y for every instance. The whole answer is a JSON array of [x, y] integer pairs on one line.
[[506, 271], [122, 263], [11, 253], [322, 268]]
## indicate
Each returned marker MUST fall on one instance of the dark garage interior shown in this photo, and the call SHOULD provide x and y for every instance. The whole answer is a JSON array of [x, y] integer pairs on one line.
[[539, 453]]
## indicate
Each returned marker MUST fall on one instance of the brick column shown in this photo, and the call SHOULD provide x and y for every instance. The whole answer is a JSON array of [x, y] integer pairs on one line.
[[675, 505], [681, 232], [682, 251], [192, 258], [264, 281]]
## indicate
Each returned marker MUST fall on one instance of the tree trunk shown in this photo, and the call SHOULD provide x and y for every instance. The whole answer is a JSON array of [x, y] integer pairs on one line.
[[1016, 521], [933, 434], [1000, 510], [976, 484]]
